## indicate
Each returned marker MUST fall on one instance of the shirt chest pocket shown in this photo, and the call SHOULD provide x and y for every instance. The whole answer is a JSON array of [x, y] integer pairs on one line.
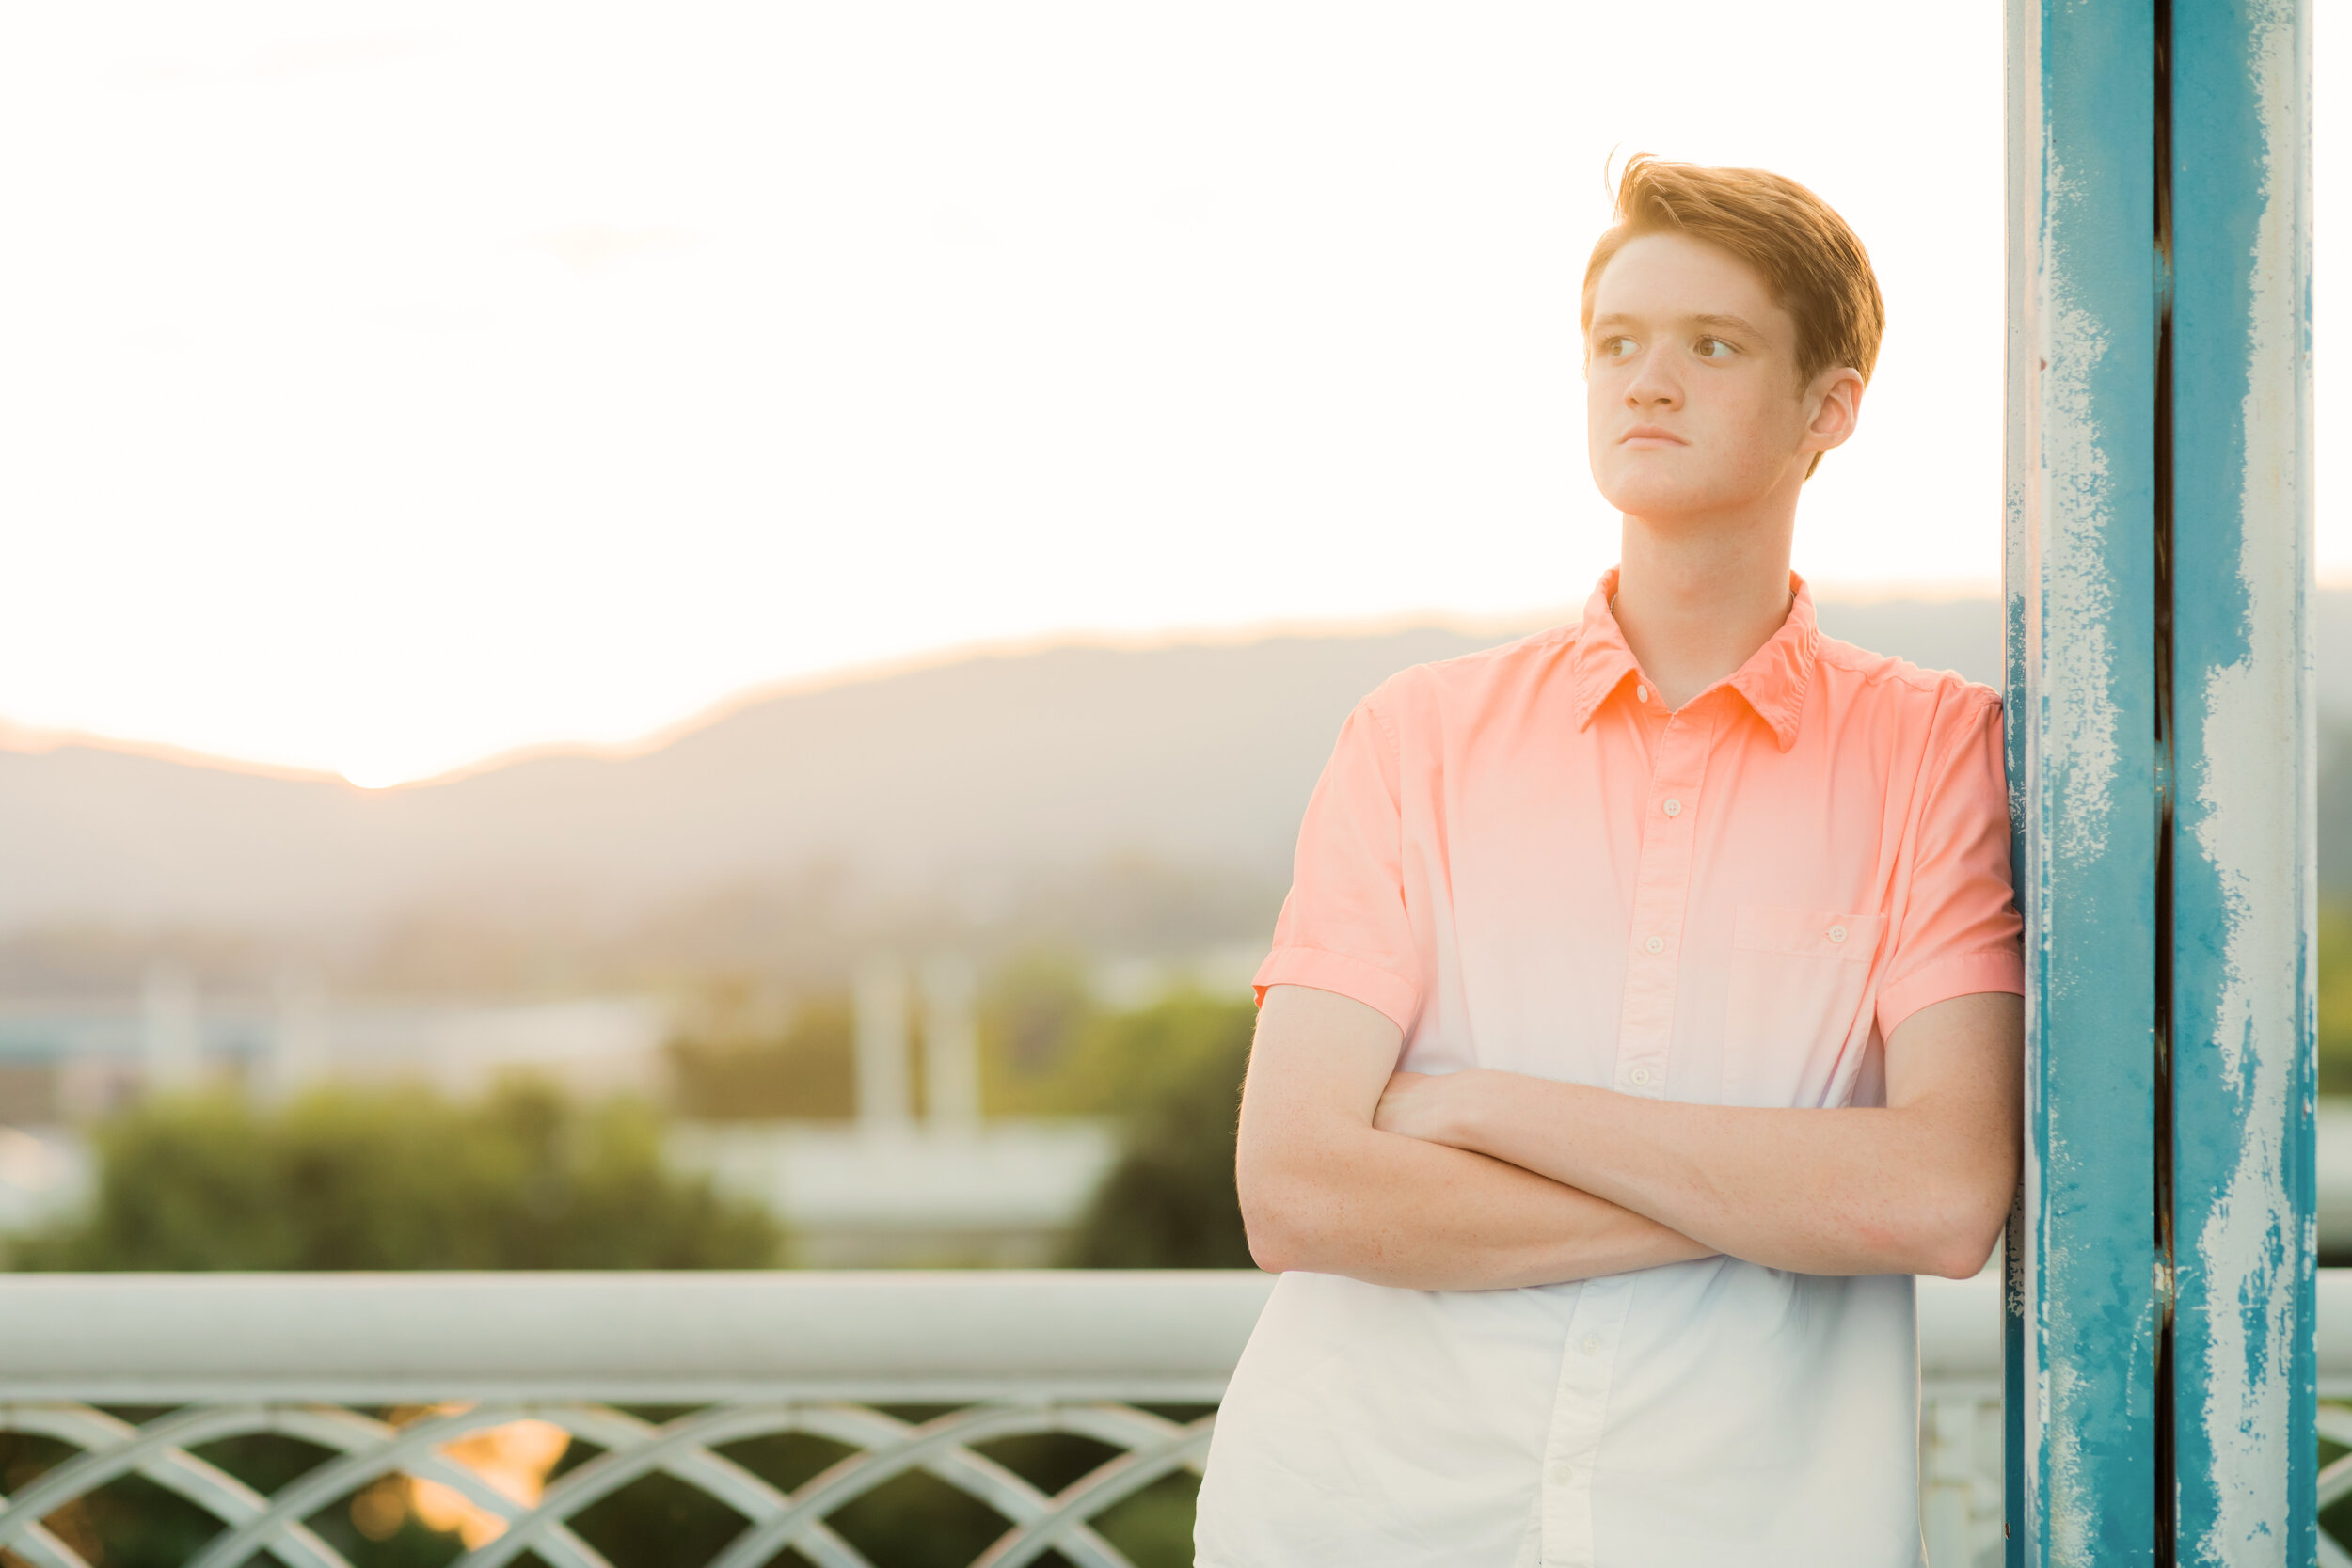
[[1796, 1014]]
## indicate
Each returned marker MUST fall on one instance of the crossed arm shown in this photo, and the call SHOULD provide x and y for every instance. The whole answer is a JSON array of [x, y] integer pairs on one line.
[[1482, 1179]]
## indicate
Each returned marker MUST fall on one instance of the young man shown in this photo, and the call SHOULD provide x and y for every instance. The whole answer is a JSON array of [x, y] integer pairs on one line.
[[1690, 930]]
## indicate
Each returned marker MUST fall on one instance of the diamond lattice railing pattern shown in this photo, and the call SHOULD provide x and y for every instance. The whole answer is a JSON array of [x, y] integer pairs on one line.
[[460, 1392]]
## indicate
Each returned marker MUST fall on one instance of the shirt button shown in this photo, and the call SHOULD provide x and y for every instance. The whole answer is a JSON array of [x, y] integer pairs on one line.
[[1836, 933], [1641, 693], [1674, 808], [1563, 1473], [1591, 1345], [1655, 944], [1638, 1075]]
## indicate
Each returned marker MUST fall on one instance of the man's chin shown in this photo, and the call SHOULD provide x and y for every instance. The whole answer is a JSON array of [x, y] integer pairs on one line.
[[1656, 498]]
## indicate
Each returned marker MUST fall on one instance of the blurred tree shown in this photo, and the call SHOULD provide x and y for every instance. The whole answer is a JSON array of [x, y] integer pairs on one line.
[[344, 1178], [1034, 1016], [2335, 1000], [806, 1073], [1175, 1071]]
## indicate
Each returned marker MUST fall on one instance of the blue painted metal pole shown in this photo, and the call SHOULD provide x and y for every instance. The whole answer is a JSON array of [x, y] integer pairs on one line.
[[2243, 893], [2082, 546], [2021, 50], [2160, 1318]]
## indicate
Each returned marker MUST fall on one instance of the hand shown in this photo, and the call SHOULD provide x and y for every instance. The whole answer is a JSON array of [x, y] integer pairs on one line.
[[1424, 1105]]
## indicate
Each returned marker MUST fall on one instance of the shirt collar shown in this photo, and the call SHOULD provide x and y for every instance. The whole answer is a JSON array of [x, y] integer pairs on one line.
[[1772, 682]]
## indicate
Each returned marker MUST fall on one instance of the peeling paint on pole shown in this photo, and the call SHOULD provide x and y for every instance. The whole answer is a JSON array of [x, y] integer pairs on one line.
[[2083, 585], [2243, 860], [2158, 561]]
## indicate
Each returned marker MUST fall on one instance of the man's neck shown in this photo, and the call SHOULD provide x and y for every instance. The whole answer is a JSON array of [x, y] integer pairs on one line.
[[1694, 606]]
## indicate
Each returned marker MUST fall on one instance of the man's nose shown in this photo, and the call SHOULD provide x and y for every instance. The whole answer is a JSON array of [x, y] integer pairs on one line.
[[1650, 387]]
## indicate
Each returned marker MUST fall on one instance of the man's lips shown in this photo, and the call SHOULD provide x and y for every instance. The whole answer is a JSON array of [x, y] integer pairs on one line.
[[1651, 435]]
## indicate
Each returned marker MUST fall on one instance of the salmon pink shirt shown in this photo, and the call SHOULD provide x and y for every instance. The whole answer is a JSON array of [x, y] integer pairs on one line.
[[1531, 863]]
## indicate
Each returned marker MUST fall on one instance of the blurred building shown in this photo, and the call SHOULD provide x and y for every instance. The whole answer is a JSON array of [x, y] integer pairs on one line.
[[44, 1172], [65, 1062], [894, 1190], [917, 1178], [854, 1196], [1124, 983]]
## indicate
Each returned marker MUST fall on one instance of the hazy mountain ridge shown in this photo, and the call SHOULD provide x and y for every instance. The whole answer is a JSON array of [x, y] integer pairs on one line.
[[1195, 754], [1062, 756]]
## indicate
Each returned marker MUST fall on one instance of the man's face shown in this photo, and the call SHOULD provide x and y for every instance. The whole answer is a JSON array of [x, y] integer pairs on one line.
[[1692, 398]]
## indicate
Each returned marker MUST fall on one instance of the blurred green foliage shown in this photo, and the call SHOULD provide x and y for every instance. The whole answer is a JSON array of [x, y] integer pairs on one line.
[[2335, 999], [397, 1179], [1037, 1016], [1174, 1072], [807, 1072]]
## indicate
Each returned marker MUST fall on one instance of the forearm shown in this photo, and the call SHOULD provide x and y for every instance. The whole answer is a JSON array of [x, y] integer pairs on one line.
[[1831, 1191], [1398, 1211]]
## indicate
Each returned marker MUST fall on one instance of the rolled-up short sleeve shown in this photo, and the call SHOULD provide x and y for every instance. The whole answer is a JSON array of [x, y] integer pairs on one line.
[[1344, 927], [1959, 930]]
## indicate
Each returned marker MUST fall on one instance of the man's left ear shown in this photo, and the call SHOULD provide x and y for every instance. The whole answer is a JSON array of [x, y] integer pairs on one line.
[[1836, 399]]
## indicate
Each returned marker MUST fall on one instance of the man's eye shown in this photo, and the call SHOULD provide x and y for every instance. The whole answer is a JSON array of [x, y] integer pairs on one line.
[[1714, 348], [1617, 348]]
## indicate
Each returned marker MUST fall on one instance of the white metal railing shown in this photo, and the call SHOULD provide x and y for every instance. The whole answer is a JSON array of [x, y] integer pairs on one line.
[[307, 1355]]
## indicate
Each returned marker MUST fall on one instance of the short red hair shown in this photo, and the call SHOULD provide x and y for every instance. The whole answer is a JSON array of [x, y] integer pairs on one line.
[[1809, 257]]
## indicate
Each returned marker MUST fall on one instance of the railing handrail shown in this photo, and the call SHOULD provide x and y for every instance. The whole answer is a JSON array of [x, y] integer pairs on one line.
[[688, 1336], [905, 1336]]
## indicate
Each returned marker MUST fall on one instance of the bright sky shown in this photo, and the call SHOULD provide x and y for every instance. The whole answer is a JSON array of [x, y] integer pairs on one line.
[[387, 385]]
